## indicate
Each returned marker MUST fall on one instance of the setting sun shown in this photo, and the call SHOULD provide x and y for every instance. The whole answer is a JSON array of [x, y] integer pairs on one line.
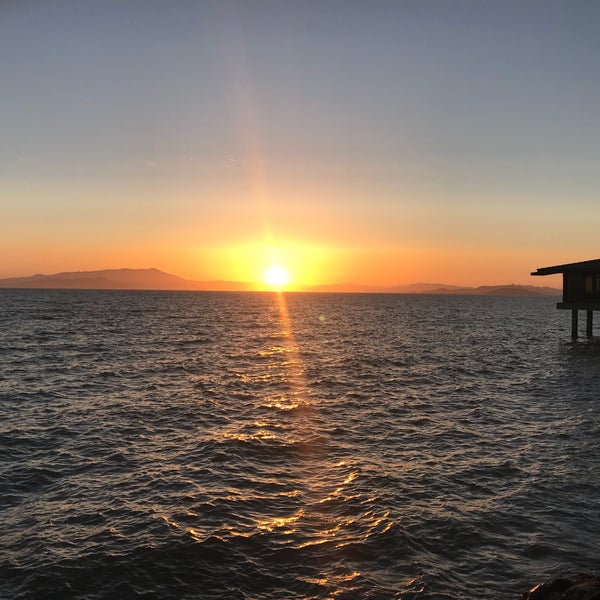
[[276, 276]]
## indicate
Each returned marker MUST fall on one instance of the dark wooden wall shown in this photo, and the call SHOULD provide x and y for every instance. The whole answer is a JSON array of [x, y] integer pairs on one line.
[[581, 287]]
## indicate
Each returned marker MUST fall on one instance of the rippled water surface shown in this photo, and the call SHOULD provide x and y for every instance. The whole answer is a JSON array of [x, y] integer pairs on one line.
[[208, 445]]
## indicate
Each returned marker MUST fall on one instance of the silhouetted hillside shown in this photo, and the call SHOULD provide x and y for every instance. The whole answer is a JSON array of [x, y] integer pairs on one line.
[[115, 279], [154, 279]]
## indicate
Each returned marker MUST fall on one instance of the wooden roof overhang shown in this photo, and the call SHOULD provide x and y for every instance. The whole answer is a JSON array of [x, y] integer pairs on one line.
[[586, 266]]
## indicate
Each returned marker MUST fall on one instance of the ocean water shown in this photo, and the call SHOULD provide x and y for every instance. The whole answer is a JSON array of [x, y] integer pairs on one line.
[[265, 446]]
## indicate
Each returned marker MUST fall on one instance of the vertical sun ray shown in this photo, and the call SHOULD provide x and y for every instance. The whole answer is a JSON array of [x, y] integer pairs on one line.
[[246, 121]]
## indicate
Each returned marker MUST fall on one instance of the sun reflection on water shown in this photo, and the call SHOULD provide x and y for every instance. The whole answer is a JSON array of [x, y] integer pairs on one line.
[[302, 503]]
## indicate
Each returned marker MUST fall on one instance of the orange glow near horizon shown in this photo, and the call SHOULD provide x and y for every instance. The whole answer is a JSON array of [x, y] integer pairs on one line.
[[312, 265], [307, 264], [268, 265]]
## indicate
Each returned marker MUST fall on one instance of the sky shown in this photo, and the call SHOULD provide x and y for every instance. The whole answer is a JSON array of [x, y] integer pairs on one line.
[[381, 142]]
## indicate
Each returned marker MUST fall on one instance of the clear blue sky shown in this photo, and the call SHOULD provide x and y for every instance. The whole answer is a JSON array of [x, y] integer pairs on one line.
[[454, 140]]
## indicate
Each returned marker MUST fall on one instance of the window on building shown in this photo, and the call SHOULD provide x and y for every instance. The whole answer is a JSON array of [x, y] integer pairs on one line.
[[589, 285]]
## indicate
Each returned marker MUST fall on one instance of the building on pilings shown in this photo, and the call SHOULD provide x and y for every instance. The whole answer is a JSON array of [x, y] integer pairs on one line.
[[581, 290]]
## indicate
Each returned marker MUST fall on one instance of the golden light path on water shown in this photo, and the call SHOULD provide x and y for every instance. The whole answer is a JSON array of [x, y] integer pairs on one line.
[[314, 524], [314, 492]]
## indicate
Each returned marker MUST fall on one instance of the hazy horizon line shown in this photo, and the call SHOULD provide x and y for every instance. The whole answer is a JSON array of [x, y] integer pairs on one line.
[[152, 278]]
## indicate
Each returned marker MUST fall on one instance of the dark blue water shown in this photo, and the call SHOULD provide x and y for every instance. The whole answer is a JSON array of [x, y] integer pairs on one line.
[[213, 445]]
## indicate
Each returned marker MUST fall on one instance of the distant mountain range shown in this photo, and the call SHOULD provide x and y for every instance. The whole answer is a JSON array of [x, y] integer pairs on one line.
[[153, 279], [120, 279], [440, 288]]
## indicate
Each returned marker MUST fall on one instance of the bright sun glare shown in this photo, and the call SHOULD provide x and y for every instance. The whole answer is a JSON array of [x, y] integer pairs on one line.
[[276, 276]]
